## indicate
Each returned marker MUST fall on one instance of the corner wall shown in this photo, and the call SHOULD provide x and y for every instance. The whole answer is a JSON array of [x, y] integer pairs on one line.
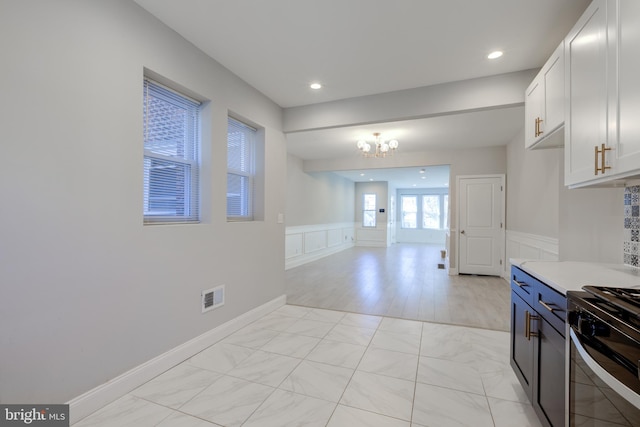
[[86, 291]]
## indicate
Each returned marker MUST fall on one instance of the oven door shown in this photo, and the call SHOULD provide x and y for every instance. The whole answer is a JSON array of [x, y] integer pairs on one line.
[[598, 395]]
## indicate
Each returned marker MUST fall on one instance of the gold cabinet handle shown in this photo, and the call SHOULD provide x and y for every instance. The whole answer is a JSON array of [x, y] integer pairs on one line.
[[547, 306], [527, 325], [538, 130], [602, 151]]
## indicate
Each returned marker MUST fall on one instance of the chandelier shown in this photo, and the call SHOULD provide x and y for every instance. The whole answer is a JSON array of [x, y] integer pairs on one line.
[[382, 148]]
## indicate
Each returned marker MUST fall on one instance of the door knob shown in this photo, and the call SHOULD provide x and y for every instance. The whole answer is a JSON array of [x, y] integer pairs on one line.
[[462, 232]]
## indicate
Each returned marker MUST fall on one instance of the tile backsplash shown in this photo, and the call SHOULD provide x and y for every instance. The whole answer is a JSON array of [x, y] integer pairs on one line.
[[631, 224]]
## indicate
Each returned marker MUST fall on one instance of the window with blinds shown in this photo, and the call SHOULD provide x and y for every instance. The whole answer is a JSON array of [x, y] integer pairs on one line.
[[241, 153], [171, 145]]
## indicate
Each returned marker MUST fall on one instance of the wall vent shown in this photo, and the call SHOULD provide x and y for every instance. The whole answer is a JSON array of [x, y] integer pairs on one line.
[[212, 298]]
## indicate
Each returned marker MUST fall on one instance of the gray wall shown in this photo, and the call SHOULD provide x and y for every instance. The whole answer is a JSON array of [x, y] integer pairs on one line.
[[86, 291], [588, 223], [533, 184], [317, 198]]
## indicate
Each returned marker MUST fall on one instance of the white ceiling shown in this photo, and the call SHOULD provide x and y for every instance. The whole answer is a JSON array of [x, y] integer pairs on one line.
[[426, 177], [365, 47]]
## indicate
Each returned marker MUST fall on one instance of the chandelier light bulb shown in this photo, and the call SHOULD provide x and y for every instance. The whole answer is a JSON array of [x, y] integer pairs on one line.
[[378, 147]]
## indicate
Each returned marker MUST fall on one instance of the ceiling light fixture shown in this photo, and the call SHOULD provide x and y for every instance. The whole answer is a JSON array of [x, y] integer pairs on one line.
[[315, 86], [382, 147], [495, 54]]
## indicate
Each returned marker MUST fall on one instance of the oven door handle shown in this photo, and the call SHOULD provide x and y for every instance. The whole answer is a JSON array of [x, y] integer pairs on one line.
[[605, 376]]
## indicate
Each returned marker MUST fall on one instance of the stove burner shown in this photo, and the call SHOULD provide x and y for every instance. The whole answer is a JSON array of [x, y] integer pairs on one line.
[[626, 299]]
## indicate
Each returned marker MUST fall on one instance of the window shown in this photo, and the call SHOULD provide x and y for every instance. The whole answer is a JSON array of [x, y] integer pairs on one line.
[[409, 211], [431, 211], [241, 147], [432, 207], [369, 210], [171, 144]]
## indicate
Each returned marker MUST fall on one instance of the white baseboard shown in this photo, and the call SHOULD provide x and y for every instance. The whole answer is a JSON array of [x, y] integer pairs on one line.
[[89, 402]]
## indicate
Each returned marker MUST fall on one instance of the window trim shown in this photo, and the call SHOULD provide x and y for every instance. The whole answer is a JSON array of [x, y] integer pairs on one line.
[[191, 192]]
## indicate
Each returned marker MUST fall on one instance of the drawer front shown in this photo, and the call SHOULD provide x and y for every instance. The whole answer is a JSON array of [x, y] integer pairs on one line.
[[552, 306], [524, 285]]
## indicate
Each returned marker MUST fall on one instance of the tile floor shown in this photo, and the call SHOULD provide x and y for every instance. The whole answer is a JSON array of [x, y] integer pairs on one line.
[[302, 366]]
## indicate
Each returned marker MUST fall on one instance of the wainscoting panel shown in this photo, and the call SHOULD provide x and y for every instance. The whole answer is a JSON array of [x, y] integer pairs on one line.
[[530, 246], [308, 243]]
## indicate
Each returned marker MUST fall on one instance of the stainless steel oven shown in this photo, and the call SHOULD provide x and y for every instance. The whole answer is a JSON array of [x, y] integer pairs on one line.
[[604, 357]]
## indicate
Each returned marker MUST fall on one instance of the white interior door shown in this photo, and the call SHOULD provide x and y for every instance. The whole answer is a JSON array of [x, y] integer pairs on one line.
[[481, 225]]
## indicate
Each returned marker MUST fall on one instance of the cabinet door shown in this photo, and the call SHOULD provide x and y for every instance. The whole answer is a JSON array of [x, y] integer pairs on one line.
[[549, 375], [627, 37], [521, 346], [586, 54], [533, 111], [553, 74]]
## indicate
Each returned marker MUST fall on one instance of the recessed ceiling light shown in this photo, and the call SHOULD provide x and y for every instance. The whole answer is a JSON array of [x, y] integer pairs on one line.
[[495, 54], [424, 177], [361, 174], [315, 86], [421, 170], [370, 179]]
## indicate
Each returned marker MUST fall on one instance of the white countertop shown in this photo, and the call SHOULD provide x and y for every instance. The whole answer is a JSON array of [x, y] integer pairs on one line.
[[566, 276]]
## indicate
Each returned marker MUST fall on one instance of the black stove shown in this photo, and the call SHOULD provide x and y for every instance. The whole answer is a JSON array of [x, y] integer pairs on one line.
[[627, 300]]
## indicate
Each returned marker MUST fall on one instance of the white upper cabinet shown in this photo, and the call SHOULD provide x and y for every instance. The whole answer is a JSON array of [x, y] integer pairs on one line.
[[544, 104], [602, 60], [587, 51], [627, 81]]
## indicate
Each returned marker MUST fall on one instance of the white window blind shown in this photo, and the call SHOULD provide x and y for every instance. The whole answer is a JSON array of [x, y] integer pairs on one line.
[[171, 145], [241, 141]]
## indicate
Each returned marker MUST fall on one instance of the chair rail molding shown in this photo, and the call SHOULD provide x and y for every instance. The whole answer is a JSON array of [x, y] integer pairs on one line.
[[530, 246], [306, 243]]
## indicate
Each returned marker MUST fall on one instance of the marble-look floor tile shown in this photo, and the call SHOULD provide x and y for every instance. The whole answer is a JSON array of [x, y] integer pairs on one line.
[[454, 350], [322, 315], [361, 320], [293, 310], [221, 357], [400, 326], [275, 321], [287, 409], [178, 419], [345, 416], [405, 343], [445, 373], [380, 394], [251, 337], [265, 368], [390, 363], [128, 411], [228, 401], [437, 406], [176, 386], [351, 334], [337, 353], [318, 380], [292, 345], [508, 414], [311, 328], [504, 385]]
